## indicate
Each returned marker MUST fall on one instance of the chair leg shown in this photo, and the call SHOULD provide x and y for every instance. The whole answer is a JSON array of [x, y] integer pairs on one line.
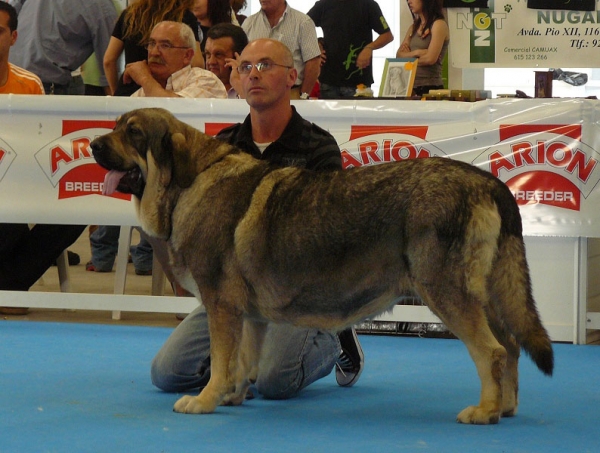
[[62, 263], [158, 278], [122, 259]]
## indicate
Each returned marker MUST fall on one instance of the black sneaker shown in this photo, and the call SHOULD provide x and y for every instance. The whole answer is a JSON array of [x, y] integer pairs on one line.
[[350, 363]]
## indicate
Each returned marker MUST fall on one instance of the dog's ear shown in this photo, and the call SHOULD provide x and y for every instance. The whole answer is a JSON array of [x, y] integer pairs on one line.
[[172, 157], [184, 170]]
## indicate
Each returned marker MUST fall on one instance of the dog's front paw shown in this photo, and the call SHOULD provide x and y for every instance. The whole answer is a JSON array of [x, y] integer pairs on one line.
[[192, 405], [476, 415]]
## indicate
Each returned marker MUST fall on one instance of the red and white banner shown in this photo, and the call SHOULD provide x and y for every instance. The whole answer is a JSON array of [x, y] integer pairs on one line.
[[543, 149]]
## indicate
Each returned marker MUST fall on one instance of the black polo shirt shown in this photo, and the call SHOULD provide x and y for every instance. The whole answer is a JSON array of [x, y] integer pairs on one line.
[[302, 144]]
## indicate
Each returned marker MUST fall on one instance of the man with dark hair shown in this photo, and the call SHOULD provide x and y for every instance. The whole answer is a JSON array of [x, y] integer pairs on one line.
[[348, 28], [223, 42]]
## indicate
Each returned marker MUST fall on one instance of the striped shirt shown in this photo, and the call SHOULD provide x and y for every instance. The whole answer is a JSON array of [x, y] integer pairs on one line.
[[192, 83], [295, 29], [21, 81]]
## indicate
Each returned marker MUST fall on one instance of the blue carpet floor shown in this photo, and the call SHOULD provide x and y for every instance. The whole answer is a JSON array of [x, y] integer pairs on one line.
[[86, 388]]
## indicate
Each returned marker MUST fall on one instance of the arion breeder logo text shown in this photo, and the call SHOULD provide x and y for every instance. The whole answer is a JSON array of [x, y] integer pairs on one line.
[[545, 164], [68, 162]]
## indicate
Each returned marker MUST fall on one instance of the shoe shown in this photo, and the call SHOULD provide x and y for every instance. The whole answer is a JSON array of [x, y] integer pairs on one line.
[[89, 266], [73, 258], [351, 361], [141, 272]]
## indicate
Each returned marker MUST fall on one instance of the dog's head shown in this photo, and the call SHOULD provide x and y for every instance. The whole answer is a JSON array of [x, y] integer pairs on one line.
[[142, 139]]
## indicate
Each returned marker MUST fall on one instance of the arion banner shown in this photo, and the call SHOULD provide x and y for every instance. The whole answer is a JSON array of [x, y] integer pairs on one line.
[[511, 35], [543, 149]]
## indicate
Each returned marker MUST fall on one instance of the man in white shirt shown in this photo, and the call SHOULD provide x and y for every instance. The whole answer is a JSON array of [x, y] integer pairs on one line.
[[168, 71], [276, 20]]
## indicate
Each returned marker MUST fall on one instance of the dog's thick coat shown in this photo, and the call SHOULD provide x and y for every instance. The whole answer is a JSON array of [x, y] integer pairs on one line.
[[326, 250]]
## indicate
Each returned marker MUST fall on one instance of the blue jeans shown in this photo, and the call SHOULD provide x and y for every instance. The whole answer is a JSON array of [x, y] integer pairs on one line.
[[291, 359], [104, 243], [336, 92]]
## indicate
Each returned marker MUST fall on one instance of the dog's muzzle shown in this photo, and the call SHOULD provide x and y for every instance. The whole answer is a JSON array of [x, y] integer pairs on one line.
[[129, 181]]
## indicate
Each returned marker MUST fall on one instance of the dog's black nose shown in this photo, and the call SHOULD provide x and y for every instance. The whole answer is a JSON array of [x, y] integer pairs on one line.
[[96, 145]]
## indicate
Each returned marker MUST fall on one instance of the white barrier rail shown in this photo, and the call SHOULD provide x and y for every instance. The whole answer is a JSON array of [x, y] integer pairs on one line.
[[544, 149]]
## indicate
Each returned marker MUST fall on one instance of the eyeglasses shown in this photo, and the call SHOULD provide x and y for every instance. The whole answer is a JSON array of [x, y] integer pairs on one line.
[[163, 46], [261, 66]]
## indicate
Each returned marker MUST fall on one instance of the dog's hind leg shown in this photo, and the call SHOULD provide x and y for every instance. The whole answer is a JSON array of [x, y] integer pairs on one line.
[[465, 317], [510, 379], [225, 327], [247, 371]]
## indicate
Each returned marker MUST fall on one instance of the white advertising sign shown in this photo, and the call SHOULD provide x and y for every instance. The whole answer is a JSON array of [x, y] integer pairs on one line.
[[510, 35]]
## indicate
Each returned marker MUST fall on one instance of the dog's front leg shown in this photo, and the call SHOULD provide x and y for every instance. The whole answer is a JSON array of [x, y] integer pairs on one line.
[[225, 329], [247, 371]]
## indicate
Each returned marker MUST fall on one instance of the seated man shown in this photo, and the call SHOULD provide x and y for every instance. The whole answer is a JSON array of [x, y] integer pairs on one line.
[[292, 357], [168, 71], [25, 254], [223, 42]]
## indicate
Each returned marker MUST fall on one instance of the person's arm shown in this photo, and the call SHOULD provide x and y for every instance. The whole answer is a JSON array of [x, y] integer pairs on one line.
[[111, 58], [404, 49], [439, 34], [198, 59], [312, 68], [139, 72], [366, 55], [234, 77], [101, 19], [431, 55]]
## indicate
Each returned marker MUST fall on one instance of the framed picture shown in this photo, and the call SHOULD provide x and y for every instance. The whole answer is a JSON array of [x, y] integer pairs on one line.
[[398, 77]]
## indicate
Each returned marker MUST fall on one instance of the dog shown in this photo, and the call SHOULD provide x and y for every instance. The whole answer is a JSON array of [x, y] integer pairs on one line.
[[259, 243], [398, 82]]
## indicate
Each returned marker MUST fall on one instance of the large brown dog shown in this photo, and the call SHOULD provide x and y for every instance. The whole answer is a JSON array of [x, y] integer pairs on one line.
[[326, 250]]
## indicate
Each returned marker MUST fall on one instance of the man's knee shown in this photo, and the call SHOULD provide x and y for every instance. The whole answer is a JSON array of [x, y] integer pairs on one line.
[[274, 385], [161, 376]]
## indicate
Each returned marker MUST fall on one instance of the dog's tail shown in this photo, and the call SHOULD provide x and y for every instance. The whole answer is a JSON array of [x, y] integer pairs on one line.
[[510, 286]]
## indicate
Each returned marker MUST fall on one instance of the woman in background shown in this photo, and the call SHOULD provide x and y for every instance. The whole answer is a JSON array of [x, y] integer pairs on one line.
[[133, 30], [427, 39], [237, 6], [212, 12]]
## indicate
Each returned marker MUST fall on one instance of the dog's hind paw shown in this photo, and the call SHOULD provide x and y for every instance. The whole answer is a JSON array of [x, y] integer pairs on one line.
[[476, 415], [192, 405]]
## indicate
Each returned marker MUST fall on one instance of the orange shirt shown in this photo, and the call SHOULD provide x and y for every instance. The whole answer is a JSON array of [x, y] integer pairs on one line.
[[21, 81]]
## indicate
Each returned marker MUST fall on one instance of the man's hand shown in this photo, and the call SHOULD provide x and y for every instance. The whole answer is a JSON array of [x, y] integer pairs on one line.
[[234, 77], [137, 72], [364, 57]]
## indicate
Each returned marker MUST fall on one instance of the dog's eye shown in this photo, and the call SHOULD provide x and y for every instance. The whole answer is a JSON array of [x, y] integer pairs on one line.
[[134, 130]]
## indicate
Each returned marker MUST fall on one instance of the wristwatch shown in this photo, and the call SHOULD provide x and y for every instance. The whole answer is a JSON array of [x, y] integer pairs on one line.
[[304, 95]]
